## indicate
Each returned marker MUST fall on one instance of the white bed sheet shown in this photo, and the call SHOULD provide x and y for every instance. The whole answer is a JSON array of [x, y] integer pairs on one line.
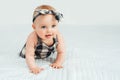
[[92, 54]]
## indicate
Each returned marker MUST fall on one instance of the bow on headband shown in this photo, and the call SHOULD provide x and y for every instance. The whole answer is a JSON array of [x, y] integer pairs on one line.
[[57, 15]]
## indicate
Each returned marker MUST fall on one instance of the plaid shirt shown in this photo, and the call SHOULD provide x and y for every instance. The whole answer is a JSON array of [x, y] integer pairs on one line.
[[41, 49]]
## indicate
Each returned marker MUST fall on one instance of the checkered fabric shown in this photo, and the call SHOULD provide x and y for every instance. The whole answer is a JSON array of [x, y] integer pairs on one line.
[[58, 16], [41, 50]]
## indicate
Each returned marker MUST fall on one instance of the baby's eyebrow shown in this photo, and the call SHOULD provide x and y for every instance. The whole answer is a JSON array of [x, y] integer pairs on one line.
[[42, 24], [54, 25]]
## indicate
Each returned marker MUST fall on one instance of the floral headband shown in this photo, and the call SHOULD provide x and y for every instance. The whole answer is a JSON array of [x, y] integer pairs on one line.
[[57, 15]]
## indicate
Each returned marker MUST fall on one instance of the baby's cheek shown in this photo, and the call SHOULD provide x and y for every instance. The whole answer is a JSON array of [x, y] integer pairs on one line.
[[40, 34], [54, 31]]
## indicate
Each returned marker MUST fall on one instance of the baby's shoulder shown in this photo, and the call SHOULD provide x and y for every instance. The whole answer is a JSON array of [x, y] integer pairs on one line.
[[32, 37], [59, 35]]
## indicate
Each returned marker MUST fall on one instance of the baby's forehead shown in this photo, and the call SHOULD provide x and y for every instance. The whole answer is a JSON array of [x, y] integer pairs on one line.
[[46, 19]]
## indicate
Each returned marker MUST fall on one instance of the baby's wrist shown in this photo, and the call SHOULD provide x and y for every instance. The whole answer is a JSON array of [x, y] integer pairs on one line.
[[32, 67], [56, 62]]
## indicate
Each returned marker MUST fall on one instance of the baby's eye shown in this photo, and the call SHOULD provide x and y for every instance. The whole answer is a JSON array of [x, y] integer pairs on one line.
[[53, 26], [43, 27]]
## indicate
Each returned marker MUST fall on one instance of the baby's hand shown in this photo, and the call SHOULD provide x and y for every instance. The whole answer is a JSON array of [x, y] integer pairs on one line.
[[36, 70], [56, 65]]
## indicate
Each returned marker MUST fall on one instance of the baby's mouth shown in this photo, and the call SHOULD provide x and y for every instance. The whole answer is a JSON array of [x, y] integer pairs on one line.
[[48, 35]]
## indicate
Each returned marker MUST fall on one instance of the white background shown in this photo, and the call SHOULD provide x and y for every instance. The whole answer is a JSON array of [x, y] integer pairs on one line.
[[79, 12]]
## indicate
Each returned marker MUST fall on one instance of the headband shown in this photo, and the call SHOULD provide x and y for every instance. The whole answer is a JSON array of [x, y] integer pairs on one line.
[[57, 15]]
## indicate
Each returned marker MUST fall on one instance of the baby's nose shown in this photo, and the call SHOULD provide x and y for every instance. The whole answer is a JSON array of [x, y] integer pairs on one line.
[[49, 29]]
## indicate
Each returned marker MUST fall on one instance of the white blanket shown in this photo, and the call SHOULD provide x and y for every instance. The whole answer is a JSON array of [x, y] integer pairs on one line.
[[93, 54]]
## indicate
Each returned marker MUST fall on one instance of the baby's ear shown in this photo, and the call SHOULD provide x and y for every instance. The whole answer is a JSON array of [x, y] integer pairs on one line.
[[33, 26]]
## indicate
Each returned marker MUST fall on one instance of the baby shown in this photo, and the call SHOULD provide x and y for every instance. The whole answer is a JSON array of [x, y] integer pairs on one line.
[[45, 39]]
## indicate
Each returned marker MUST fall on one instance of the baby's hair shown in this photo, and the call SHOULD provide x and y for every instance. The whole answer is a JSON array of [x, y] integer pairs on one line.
[[48, 7]]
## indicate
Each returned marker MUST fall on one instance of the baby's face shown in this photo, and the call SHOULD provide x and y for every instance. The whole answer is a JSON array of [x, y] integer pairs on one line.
[[46, 26]]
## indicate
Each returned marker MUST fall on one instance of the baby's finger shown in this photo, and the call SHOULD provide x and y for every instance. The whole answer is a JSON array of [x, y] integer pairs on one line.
[[60, 67], [34, 72], [56, 67], [37, 71], [52, 65]]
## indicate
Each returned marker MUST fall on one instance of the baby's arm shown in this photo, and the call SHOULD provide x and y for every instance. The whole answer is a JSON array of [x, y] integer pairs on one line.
[[60, 52], [30, 60]]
